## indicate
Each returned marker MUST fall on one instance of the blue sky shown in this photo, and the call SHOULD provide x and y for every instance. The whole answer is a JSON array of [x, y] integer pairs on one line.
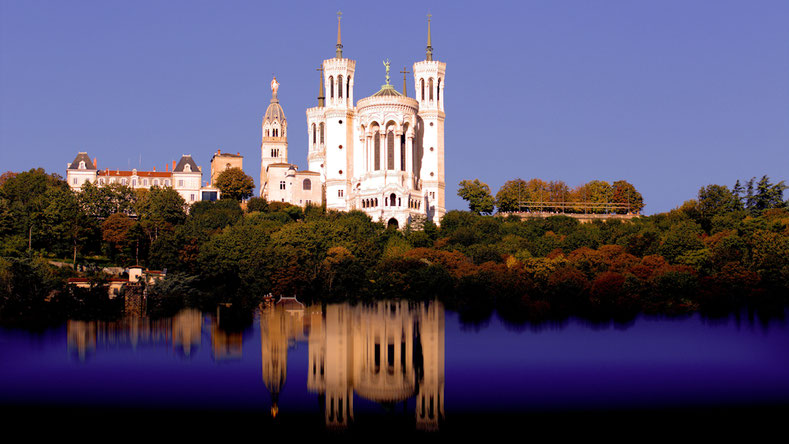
[[669, 95]]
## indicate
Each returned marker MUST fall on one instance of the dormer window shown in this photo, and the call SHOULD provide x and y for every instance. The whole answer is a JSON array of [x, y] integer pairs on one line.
[[187, 168], [82, 164]]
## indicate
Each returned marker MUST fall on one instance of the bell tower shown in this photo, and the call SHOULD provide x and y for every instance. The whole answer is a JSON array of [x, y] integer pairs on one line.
[[338, 78], [429, 77], [274, 145]]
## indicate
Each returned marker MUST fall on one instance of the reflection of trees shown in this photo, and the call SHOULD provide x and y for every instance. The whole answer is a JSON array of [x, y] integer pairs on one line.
[[183, 331], [387, 351]]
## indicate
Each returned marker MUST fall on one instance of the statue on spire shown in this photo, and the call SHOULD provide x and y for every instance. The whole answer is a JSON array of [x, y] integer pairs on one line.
[[274, 89], [386, 64]]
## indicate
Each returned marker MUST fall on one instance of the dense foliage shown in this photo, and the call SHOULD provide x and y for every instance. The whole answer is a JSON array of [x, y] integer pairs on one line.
[[724, 250]]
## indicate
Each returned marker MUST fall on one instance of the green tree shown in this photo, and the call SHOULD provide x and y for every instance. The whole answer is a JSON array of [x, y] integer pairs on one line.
[[102, 201], [234, 184], [511, 194], [478, 196], [714, 200]]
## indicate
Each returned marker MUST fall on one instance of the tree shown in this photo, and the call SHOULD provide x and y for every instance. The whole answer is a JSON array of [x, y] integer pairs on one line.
[[511, 194], [116, 231], [102, 201], [234, 184], [716, 199], [624, 192], [478, 196]]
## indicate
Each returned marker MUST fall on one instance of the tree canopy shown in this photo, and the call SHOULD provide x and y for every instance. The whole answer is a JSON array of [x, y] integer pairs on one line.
[[235, 184], [478, 196]]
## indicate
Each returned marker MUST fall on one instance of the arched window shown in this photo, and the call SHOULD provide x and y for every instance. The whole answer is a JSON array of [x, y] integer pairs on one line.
[[331, 87], [348, 87], [390, 155], [267, 133], [134, 182], [438, 91], [430, 87], [314, 134], [402, 152], [82, 164], [156, 182], [339, 87], [322, 132], [376, 201], [422, 83], [377, 153], [307, 185], [392, 199]]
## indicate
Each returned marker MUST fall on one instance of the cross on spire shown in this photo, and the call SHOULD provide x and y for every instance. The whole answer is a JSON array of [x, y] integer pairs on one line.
[[404, 72]]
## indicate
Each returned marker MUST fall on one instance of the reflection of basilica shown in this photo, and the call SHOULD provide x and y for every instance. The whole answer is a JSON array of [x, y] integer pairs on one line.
[[386, 352]]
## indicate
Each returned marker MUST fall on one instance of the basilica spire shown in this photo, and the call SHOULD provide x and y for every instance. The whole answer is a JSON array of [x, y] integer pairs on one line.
[[339, 35], [321, 96], [429, 49]]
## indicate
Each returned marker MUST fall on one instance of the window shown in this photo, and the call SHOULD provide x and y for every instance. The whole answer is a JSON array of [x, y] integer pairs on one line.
[[156, 182], [282, 185], [192, 197], [167, 182], [134, 182], [187, 168], [145, 182], [321, 131], [74, 181], [101, 181], [339, 87], [181, 183], [422, 84], [331, 87], [124, 182], [307, 185], [348, 88], [309, 202], [430, 88], [275, 152], [340, 193], [377, 153], [82, 164], [390, 154]]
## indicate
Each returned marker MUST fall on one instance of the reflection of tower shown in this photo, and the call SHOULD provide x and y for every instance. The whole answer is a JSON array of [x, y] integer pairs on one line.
[[430, 399], [187, 329], [339, 363], [279, 325], [81, 337]]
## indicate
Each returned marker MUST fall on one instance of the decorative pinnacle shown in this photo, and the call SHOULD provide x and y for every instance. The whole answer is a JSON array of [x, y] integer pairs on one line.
[[321, 97], [339, 35], [429, 49]]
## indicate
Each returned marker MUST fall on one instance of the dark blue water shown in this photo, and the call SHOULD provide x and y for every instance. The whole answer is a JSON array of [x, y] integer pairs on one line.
[[342, 365]]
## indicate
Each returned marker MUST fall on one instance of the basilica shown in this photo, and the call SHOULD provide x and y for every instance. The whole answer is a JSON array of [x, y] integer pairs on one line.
[[383, 155]]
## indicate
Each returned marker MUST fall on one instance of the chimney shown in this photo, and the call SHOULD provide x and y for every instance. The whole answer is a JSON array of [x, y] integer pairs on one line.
[[173, 165], [218, 151], [238, 153], [154, 169], [167, 167], [95, 163]]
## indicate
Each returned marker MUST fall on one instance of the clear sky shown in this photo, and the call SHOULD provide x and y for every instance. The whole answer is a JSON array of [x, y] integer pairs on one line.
[[669, 95]]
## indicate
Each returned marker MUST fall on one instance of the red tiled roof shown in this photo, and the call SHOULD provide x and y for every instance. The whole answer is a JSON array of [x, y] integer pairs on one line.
[[119, 173]]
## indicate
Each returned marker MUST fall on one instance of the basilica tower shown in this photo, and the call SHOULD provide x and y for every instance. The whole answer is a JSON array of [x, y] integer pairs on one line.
[[429, 92], [338, 78], [274, 145]]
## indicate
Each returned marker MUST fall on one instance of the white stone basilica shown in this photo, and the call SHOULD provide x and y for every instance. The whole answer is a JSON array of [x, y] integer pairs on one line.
[[383, 156]]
